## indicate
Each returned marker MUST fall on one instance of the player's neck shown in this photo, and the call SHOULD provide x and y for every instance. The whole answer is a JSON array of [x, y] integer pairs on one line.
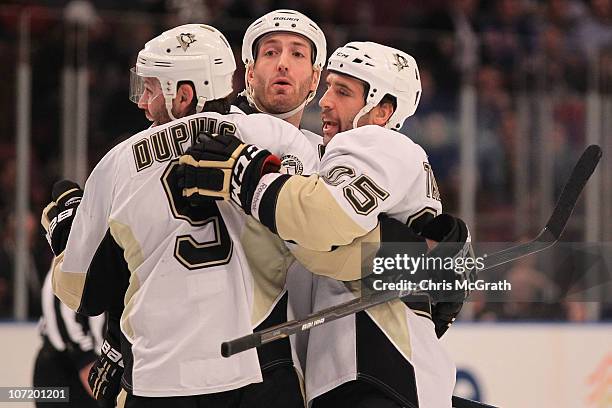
[[296, 119]]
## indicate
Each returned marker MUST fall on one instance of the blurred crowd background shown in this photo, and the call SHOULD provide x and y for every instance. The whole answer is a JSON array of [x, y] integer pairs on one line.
[[513, 90]]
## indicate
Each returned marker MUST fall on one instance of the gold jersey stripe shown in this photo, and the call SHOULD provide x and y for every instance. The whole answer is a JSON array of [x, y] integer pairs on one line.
[[343, 263], [132, 252], [67, 286], [304, 204], [269, 259]]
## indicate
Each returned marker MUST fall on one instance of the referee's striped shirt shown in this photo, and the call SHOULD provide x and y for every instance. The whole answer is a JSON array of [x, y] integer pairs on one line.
[[78, 336]]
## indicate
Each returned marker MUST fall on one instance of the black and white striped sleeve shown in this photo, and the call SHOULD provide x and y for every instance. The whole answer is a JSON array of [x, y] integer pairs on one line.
[[66, 330]]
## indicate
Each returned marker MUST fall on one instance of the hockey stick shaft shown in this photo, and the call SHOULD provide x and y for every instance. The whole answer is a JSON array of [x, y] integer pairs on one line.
[[546, 238]]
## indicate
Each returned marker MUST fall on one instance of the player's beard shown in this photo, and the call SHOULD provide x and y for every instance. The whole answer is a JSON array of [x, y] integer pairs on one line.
[[336, 125], [276, 102], [156, 111], [160, 115]]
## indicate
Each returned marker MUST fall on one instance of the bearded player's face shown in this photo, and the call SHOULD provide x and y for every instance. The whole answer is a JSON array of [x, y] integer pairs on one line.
[[341, 102], [152, 102], [282, 76]]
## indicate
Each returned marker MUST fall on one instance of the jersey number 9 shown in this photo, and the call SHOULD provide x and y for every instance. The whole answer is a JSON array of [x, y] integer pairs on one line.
[[187, 250]]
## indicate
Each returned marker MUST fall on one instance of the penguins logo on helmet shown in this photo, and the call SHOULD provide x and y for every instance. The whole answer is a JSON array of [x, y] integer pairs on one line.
[[185, 40], [400, 62]]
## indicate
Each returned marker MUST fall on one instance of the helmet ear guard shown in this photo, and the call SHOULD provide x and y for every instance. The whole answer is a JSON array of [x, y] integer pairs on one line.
[[197, 53], [289, 21], [386, 70]]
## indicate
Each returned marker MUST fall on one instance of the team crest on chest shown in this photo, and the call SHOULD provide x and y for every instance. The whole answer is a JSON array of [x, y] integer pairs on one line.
[[185, 40], [400, 62], [292, 164]]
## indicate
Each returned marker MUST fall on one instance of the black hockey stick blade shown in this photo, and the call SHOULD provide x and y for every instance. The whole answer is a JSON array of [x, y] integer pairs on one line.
[[571, 191], [555, 226], [459, 402], [546, 238]]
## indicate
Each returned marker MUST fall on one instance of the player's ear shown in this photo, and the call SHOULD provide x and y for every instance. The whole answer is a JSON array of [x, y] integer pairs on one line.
[[250, 73], [316, 74], [381, 113], [184, 97], [185, 93]]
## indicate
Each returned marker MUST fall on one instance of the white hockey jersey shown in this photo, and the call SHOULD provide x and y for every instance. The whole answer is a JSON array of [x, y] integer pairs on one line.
[[190, 284], [300, 280], [364, 172]]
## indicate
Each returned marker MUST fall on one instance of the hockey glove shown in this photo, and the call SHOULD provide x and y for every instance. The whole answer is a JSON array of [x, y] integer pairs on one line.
[[58, 215], [221, 167], [105, 375], [455, 251], [454, 243], [444, 314]]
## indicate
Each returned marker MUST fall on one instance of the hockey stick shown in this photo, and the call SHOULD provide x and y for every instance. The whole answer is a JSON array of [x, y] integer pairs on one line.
[[546, 238]]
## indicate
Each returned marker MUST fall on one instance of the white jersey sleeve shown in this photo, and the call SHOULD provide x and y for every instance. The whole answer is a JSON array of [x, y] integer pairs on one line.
[[364, 172], [295, 150], [84, 246]]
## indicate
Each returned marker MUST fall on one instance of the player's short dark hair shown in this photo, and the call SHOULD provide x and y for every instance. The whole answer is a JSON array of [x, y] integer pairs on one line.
[[389, 99], [386, 99], [221, 105]]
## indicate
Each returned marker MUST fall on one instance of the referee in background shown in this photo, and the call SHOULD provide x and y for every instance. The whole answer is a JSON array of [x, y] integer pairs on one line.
[[70, 344]]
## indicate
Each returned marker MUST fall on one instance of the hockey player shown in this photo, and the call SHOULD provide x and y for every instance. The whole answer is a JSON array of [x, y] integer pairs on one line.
[[389, 355], [284, 52], [291, 41], [265, 43], [184, 274]]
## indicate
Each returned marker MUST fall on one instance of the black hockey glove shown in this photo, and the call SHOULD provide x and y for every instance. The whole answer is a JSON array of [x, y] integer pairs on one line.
[[58, 215], [444, 314], [454, 242], [454, 249], [105, 375], [450, 260], [221, 167]]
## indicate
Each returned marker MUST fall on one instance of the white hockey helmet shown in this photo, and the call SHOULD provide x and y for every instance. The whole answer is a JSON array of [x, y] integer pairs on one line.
[[192, 52], [386, 70], [289, 21]]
